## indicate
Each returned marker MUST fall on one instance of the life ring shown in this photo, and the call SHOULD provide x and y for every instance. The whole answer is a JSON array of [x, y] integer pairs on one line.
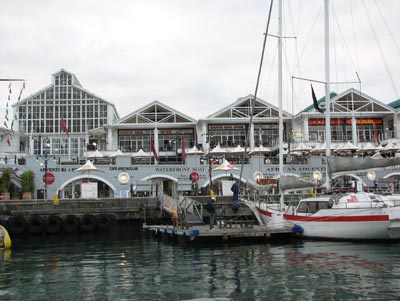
[[104, 221], [35, 224], [88, 223], [53, 224], [17, 224], [70, 223]]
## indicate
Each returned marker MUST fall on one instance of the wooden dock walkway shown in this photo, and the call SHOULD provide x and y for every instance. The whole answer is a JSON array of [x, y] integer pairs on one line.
[[219, 232]]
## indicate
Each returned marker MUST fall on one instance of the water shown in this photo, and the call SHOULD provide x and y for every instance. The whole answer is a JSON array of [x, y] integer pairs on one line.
[[130, 265]]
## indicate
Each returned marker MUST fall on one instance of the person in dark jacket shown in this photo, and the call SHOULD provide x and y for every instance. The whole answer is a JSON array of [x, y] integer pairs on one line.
[[211, 210]]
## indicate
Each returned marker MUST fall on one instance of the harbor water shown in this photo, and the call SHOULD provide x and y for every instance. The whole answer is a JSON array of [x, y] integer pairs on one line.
[[127, 264]]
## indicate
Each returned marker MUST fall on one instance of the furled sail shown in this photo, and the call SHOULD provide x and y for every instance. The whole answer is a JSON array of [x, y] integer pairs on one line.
[[340, 164], [290, 182]]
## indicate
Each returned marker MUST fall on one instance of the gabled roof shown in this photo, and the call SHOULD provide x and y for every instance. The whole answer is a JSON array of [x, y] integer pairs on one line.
[[156, 112], [352, 100], [319, 101], [395, 105], [74, 83], [241, 108]]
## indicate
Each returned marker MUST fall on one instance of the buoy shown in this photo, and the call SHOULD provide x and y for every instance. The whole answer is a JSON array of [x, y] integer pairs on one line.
[[88, 223], [17, 224], [297, 229], [5, 240], [53, 224], [70, 223], [35, 224]]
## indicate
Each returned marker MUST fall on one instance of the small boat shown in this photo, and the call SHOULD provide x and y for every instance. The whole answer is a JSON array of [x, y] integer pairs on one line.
[[5, 240], [358, 216]]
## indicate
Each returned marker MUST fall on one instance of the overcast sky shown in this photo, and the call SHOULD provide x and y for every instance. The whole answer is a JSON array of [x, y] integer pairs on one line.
[[197, 56]]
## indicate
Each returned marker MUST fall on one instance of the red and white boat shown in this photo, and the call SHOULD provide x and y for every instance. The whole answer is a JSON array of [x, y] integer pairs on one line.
[[358, 216]]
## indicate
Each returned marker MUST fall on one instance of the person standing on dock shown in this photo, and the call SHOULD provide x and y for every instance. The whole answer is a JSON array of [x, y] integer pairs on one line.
[[211, 210]]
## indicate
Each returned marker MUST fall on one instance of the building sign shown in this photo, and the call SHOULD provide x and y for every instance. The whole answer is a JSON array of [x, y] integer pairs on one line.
[[48, 178], [194, 176], [134, 132], [341, 121], [227, 127]]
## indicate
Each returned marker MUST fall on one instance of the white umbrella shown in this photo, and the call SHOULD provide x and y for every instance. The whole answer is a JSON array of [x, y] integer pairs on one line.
[[302, 147], [117, 153], [226, 165], [238, 150], [87, 167], [194, 151], [141, 154], [95, 154], [347, 147], [368, 147], [390, 147], [217, 150], [377, 155], [260, 150]]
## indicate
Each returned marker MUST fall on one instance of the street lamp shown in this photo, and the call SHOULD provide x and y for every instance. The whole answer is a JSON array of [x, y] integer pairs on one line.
[[45, 159]]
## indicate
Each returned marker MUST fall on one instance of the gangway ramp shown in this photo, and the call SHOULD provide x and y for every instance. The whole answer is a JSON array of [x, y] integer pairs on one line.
[[187, 208]]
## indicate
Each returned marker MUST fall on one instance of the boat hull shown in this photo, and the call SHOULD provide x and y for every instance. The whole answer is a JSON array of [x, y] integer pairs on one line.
[[362, 224], [351, 224]]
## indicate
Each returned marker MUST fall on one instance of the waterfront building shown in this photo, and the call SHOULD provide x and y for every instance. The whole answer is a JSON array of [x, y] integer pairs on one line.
[[157, 149]]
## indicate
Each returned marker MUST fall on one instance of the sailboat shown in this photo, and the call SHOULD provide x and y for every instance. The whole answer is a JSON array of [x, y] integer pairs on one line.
[[362, 216]]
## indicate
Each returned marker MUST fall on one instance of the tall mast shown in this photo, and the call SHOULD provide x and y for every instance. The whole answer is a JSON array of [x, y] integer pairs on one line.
[[280, 80], [327, 93]]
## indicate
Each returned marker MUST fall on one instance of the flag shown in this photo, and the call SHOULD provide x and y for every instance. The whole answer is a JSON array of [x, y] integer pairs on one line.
[[183, 150], [64, 127], [377, 138], [153, 149], [316, 106]]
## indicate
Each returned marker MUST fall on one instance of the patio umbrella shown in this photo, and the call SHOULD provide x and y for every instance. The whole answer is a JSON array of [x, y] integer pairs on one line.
[[88, 167], [237, 151], [117, 153], [347, 147], [368, 147], [302, 147], [194, 151], [390, 147], [141, 154], [217, 151], [226, 165], [95, 154], [260, 150]]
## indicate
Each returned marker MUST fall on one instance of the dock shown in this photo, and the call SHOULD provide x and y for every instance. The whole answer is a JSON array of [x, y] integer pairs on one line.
[[220, 232]]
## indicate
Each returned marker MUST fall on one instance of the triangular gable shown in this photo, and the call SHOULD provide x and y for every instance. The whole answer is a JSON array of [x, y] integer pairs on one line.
[[351, 100], [48, 91], [156, 112], [241, 108]]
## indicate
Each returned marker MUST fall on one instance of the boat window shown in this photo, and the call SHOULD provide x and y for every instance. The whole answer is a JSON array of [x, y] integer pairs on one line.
[[312, 207], [307, 207], [324, 205]]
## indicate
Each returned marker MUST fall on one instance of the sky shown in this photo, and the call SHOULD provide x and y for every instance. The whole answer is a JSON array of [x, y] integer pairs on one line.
[[199, 56]]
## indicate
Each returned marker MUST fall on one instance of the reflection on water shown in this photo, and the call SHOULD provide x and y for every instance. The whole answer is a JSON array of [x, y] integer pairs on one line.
[[127, 265]]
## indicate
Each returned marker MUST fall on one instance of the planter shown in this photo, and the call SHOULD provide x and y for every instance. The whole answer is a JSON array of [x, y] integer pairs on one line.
[[5, 196], [27, 195]]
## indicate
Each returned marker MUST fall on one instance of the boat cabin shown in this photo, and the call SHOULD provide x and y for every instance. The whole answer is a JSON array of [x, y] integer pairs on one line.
[[313, 205]]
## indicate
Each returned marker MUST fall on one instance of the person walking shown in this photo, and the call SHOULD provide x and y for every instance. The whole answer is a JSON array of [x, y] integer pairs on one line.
[[211, 210]]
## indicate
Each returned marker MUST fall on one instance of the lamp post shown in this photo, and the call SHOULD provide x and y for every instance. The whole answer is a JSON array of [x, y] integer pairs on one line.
[[209, 158], [45, 158], [317, 177]]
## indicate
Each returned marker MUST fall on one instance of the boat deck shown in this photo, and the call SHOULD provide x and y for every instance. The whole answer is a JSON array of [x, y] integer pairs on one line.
[[224, 232]]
